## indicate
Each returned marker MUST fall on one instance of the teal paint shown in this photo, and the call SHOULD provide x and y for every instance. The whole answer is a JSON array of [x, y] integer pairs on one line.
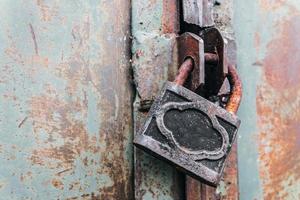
[[262, 28], [147, 16], [58, 117], [245, 20]]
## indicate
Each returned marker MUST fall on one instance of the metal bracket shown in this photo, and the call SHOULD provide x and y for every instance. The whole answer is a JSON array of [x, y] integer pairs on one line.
[[198, 12], [191, 45]]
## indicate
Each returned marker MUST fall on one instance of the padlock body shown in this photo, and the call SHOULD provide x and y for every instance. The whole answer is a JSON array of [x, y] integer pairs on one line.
[[189, 132]]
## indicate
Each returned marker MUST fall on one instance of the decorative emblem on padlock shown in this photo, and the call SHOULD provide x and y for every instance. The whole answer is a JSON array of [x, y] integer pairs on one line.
[[189, 131]]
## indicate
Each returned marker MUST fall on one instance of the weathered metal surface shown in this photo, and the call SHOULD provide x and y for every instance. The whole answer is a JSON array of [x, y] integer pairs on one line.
[[154, 28], [192, 11], [152, 55], [198, 12], [269, 150], [65, 113], [191, 46], [192, 188], [155, 16], [184, 71]]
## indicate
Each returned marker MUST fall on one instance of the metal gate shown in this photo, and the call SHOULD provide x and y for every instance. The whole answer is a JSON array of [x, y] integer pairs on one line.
[[77, 78], [65, 112]]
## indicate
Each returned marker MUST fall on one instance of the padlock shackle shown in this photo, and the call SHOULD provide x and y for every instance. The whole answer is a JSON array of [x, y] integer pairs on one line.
[[184, 71], [235, 98]]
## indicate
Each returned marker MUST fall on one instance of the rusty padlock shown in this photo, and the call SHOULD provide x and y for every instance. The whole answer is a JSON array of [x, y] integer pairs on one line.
[[189, 131]]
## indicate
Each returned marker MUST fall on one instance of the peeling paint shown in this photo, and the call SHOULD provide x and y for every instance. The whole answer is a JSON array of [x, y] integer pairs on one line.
[[274, 133], [65, 100], [277, 107]]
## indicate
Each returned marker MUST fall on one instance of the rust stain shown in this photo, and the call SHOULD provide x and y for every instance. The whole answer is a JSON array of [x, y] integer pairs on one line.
[[271, 4], [47, 12], [230, 177], [58, 184], [170, 17], [13, 52], [115, 159], [192, 188], [281, 67], [30, 64], [257, 41], [76, 68], [235, 98], [58, 122], [278, 111], [39, 61], [26, 176], [59, 115]]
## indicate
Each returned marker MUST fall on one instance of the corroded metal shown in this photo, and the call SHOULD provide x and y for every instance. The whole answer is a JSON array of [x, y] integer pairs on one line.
[[211, 58], [189, 154], [192, 11], [191, 46], [198, 12], [235, 98], [271, 170], [65, 113], [184, 71], [192, 189]]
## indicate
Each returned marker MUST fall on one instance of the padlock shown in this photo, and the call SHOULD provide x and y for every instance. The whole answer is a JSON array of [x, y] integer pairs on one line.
[[189, 131]]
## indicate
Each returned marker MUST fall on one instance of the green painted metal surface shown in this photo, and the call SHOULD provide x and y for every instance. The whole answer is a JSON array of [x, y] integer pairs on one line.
[[267, 34], [65, 100], [249, 180]]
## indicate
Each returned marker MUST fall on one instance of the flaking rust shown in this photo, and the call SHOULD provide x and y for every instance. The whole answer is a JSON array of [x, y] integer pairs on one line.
[[278, 110], [67, 101]]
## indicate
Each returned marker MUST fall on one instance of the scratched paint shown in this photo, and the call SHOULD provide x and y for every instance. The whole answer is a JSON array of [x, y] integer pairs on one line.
[[269, 63], [65, 100]]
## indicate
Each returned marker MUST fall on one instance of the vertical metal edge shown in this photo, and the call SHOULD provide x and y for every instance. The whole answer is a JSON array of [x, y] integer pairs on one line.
[[154, 60], [228, 187]]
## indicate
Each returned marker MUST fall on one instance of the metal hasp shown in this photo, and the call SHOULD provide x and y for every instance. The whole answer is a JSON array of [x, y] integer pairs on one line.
[[192, 46], [189, 131], [198, 12]]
